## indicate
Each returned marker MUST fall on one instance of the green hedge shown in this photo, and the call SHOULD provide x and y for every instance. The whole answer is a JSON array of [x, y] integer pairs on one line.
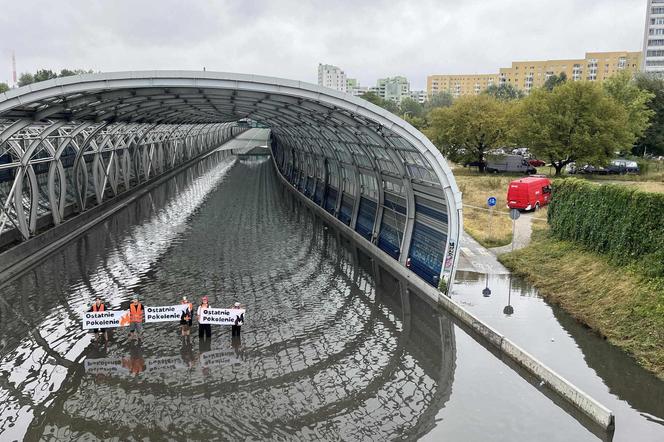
[[619, 221]]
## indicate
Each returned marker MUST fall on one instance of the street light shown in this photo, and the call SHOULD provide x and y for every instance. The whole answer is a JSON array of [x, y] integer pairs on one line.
[[509, 310]]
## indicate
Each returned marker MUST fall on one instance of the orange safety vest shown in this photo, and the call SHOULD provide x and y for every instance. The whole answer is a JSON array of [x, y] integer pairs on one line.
[[136, 313], [98, 309]]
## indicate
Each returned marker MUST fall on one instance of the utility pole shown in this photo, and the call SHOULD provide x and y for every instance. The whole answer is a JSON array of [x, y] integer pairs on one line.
[[14, 80]]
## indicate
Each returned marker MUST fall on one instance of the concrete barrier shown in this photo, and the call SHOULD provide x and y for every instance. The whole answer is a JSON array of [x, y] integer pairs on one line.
[[597, 413]]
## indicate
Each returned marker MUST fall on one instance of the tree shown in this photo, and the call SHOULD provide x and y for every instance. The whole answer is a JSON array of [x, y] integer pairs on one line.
[[441, 99], [504, 92], [652, 140], [576, 121], [69, 73], [26, 78], [470, 128], [374, 98], [44, 74], [419, 123], [555, 80], [623, 89], [411, 108], [4, 87], [47, 74]]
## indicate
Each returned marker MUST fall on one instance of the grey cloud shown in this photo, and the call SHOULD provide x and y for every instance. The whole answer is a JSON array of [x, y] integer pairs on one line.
[[288, 38]]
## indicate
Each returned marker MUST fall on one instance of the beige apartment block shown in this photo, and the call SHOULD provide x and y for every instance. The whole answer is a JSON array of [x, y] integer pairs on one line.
[[526, 75], [459, 85]]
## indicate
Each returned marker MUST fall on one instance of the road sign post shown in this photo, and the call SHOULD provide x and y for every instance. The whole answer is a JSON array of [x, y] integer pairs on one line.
[[491, 202], [514, 214]]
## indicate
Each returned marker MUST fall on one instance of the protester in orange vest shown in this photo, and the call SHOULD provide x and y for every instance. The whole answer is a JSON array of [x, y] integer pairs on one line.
[[135, 319], [99, 306], [135, 363], [186, 318]]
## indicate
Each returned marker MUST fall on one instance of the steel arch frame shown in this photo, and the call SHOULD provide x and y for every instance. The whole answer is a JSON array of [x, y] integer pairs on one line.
[[344, 128]]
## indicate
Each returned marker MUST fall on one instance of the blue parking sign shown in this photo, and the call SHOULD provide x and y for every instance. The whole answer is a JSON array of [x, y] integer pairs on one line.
[[492, 201]]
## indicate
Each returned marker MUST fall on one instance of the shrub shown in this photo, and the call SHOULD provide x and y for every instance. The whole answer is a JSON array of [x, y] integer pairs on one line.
[[619, 221]]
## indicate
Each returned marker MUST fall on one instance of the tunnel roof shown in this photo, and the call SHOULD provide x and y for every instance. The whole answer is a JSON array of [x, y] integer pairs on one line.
[[288, 107]]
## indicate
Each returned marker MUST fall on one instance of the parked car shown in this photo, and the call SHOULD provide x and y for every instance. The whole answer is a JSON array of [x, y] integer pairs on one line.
[[622, 166], [536, 163], [592, 170], [509, 163], [529, 193]]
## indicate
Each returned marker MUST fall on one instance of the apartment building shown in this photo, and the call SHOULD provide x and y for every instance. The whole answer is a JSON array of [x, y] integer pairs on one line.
[[459, 85], [393, 88], [526, 75], [653, 38], [332, 77], [596, 66]]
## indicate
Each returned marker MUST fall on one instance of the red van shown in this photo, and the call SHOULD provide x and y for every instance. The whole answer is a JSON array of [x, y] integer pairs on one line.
[[529, 193]]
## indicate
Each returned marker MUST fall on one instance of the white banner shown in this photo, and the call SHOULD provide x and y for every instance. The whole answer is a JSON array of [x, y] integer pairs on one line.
[[222, 316], [166, 364], [105, 366], [107, 319], [218, 357], [165, 313]]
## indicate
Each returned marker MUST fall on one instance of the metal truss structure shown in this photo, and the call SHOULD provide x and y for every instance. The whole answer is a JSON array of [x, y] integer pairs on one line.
[[92, 136], [53, 168]]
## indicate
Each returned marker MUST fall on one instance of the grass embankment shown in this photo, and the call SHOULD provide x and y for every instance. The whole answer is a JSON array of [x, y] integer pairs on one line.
[[619, 303], [476, 189]]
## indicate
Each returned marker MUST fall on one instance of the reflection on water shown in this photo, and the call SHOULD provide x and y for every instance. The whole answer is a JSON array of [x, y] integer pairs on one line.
[[334, 346], [635, 396], [331, 350]]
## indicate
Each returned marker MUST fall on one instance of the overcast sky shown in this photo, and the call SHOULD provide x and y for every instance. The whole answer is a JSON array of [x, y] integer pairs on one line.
[[368, 39]]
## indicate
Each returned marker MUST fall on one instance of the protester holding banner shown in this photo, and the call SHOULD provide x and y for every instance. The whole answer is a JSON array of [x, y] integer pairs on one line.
[[135, 318], [203, 329], [239, 320], [99, 306], [186, 318]]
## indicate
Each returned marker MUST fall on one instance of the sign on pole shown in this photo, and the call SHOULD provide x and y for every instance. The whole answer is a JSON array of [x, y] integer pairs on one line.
[[515, 214], [492, 201]]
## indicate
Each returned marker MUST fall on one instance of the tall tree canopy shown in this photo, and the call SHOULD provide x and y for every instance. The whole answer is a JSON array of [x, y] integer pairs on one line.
[[504, 92], [374, 98], [470, 128], [555, 80], [576, 121], [411, 108], [46, 74], [4, 87], [623, 89], [652, 140], [441, 99]]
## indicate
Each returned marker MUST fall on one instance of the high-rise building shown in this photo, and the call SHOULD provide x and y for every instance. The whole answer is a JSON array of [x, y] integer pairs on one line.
[[393, 88], [353, 87], [332, 77], [653, 39], [526, 75], [419, 96]]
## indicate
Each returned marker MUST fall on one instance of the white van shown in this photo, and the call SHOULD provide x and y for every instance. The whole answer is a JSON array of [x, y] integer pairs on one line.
[[509, 163]]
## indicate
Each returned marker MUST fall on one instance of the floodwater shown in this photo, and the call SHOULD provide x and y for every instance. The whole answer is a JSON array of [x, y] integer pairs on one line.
[[602, 370], [333, 346]]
